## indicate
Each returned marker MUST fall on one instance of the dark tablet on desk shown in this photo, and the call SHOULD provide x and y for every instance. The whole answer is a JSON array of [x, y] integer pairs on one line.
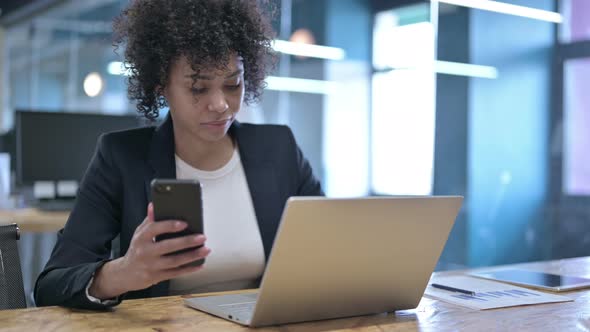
[[541, 280]]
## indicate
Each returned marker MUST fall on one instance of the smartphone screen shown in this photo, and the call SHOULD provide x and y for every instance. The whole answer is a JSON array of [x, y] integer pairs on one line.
[[178, 200]]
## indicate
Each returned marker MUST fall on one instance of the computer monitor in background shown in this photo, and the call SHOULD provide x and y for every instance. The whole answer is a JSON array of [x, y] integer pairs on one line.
[[52, 146]]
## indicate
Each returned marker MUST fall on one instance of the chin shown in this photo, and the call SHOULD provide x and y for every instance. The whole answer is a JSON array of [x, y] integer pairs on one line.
[[213, 138]]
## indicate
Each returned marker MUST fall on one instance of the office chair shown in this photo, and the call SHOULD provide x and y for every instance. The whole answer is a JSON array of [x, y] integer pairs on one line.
[[12, 292]]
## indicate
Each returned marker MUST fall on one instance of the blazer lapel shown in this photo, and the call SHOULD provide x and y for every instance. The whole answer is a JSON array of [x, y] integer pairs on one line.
[[262, 183], [161, 157]]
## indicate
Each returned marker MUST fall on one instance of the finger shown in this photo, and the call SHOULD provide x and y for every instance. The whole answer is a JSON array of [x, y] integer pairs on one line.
[[150, 213], [179, 271], [184, 242], [148, 219], [154, 229], [178, 260]]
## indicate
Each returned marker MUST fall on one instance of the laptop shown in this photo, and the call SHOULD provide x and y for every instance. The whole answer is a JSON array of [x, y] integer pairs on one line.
[[336, 258]]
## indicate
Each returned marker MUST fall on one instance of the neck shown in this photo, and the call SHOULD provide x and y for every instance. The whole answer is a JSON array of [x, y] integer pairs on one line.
[[204, 155]]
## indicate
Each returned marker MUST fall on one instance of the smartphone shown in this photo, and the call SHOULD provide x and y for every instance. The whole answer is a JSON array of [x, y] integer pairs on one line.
[[179, 200], [534, 279]]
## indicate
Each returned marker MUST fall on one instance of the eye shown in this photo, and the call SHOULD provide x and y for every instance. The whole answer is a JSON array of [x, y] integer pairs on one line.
[[233, 87], [197, 91]]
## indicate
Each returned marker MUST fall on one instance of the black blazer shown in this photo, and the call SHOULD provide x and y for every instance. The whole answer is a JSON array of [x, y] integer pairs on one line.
[[115, 192]]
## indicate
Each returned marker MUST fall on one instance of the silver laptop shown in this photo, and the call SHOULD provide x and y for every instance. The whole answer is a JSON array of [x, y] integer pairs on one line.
[[337, 258]]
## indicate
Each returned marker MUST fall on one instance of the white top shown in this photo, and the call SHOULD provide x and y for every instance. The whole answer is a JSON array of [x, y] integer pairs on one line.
[[237, 254]]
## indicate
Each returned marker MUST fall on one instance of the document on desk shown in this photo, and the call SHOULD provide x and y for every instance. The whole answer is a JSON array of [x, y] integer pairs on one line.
[[488, 294]]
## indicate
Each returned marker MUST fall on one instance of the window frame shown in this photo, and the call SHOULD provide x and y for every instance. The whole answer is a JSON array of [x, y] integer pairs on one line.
[[563, 53]]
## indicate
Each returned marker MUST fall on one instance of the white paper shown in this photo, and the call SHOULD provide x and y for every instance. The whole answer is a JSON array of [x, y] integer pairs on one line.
[[489, 294]]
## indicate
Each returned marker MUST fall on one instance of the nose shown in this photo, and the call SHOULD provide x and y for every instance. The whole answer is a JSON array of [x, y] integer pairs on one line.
[[218, 103]]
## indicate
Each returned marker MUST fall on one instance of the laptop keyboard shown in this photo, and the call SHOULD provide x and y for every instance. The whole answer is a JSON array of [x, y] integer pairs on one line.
[[243, 308]]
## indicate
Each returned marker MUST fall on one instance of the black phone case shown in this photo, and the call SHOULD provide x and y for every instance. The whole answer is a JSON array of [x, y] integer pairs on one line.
[[178, 200]]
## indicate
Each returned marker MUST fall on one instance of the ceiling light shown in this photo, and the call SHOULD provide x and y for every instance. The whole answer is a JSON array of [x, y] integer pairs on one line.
[[93, 84], [117, 68], [465, 69], [308, 50], [506, 8]]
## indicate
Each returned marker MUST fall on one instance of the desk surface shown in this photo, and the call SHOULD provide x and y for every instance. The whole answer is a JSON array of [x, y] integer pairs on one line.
[[169, 314], [33, 220]]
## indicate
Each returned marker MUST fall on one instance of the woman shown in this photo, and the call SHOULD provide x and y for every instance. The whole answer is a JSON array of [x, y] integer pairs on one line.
[[203, 59]]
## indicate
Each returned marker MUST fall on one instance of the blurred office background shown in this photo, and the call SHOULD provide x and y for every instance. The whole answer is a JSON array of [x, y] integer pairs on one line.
[[386, 97]]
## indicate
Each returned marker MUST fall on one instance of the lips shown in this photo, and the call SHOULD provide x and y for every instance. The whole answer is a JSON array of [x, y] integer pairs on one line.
[[217, 123]]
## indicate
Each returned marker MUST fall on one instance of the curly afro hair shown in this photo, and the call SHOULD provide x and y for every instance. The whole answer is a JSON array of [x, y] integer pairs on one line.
[[155, 33]]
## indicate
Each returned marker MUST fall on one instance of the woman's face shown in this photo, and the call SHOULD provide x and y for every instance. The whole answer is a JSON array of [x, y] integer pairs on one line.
[[205, 105]]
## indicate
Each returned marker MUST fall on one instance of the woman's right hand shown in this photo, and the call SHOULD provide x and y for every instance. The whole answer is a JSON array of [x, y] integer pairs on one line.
[[145, 262]]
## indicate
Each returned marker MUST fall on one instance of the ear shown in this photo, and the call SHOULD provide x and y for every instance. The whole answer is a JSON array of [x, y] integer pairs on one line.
[[160, 91]]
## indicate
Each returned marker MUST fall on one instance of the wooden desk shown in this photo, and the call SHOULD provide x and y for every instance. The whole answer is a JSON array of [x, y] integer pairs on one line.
[[169, 314], [33, 220]]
